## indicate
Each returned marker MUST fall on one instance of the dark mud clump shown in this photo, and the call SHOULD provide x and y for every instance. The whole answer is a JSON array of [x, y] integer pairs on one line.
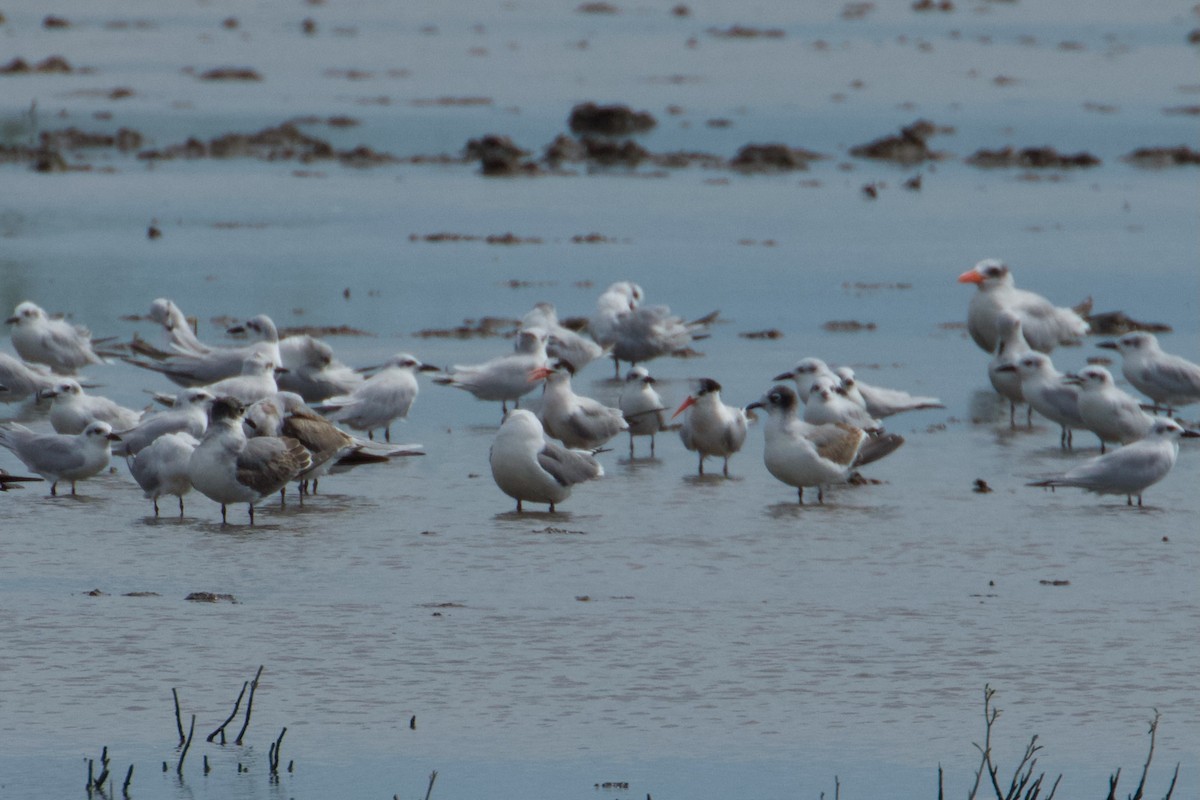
[[483, 328], [598, 8], [614, 120], [230, 74], [1163, 156], [210, 597], [47, 66], [125, 140], [609, 153], [498, 155], [745, 32], [848, 326], [771, 158], [322, 331], [1031, 158], [910, 146], [772, 333], [284, 142], [1116, 323]]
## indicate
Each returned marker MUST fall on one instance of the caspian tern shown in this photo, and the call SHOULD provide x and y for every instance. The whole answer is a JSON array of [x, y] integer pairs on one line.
[[1045, 326]]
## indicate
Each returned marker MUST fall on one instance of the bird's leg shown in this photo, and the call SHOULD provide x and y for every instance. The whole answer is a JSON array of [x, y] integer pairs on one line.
[[518, 505], [821, 495], [800, 494], [251, 513], [701, 463], [1128, 499], [631, 447], [725, 467], [652, 445], [371, 436], [1070, 439], [181, 506], [504, 407], [155, 501], [552, 508], [387, 433], [616, 368], [1139, 501], [54, 489], [301, 499], [315, 481], [1102, 451], [282, 498], [223, 521], [72, 488], [1029, 417]]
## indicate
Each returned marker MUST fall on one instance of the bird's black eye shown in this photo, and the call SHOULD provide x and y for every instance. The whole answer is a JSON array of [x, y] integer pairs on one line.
[[776, 397]]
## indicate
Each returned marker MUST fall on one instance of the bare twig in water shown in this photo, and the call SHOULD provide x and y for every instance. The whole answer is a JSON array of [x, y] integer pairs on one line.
[[236, 705], [1139, 793], [178, 719], [186, 745], [249, 706], [1022, 786], [273, 754], [432, 778], [128, 780], [941, 792]]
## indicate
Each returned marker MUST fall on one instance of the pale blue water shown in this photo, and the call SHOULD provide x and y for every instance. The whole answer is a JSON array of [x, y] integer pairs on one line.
[[731, 644]]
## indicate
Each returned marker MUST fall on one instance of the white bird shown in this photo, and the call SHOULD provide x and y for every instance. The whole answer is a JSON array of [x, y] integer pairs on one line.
[[562, 342], [1108, 412], [1011, 347], [312, 371], [529, 467], [54, 342], [73, 409], [710, 427], [161, 468], [505, 378], [61, 457], [175, 323], [579, 422], [828, 405], [228, 468], [642, 407], [19, 381], [1169, 380], [256, 382], [188, 414], [1045, 326], [638, 333], [1131, 469], [805, 373], [801, 454], [880, 402], [386, 396], [218, 363], [1046, 389]]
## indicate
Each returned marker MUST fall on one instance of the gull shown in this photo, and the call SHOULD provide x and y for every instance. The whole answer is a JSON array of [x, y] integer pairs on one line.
[[386, 396], [188, 414], [828, 405], [579, 422], [19, 380], [642, 407], [1011, 347], [219, 363], [801, 454], [1131, 469], [562, 342], [61, 457], [637, 333], [7, 478], [1108, 412], [1167, 379], [312, 371], [1045, 326], [54, 342], [228, 468], [505, 378], [529, 467], [161, 468], [256, 382], [73, 409], [711, 428], [806, 371], [1047, 391], [881, 402], [178, 329]]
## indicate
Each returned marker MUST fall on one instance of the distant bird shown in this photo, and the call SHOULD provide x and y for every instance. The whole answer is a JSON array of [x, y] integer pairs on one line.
[[1044, 325], [528, 467], [828, 405], [188, 414], [312, 371], [562, 342], [579, 422], [880, 402], [161, 468], [505, 378], [61, 457], [1170, 381], [1131, 469], [1046, 389], [642, 407], [228, 468], [1011, 347], [1108, 412], [385, 397], [801, 454], [72, 409], [710, 427], [188, 368], [56, 343], [637, 333], [20, 381]]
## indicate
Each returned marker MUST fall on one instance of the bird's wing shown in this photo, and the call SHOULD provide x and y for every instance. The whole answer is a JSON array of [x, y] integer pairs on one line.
[[837, 442], [568, 467], [266, 464]]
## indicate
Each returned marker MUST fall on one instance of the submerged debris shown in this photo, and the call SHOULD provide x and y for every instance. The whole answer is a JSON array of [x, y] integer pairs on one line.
[[210, 597], [1163, 156], [498, 155], [772, 158], [1031, 158], [230, 74], [909, 147], [285, 142], [848, 326], [47, 66], [614, 120]]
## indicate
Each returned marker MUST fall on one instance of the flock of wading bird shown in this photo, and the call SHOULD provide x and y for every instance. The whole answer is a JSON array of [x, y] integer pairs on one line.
[[253, 417]]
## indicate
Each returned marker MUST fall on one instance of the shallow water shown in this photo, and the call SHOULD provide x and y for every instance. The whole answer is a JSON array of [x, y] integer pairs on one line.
[[693, 637]]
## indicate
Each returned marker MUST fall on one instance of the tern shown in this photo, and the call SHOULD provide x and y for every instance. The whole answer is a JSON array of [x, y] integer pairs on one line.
[[187, 368], [801, 454], [1108, 412], [19, 381], [828, 404], [385, 397], [805, 373], [562, 342], [1047, 391], [1131, 469], [312, 370], [1011, 347], [880, 402], [177, 327], [710, 427], [256, 382], [161, 468], [1169, 380], [73, 409], [529, 467], [61, 457], [188, 414], [638, 333], [579, 422], [228, 468], [54, 342], [642, 407], [505, 378], [1045, 326]]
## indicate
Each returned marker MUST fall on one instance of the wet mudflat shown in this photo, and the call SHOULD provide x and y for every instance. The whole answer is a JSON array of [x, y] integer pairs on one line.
[[690, 637]]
